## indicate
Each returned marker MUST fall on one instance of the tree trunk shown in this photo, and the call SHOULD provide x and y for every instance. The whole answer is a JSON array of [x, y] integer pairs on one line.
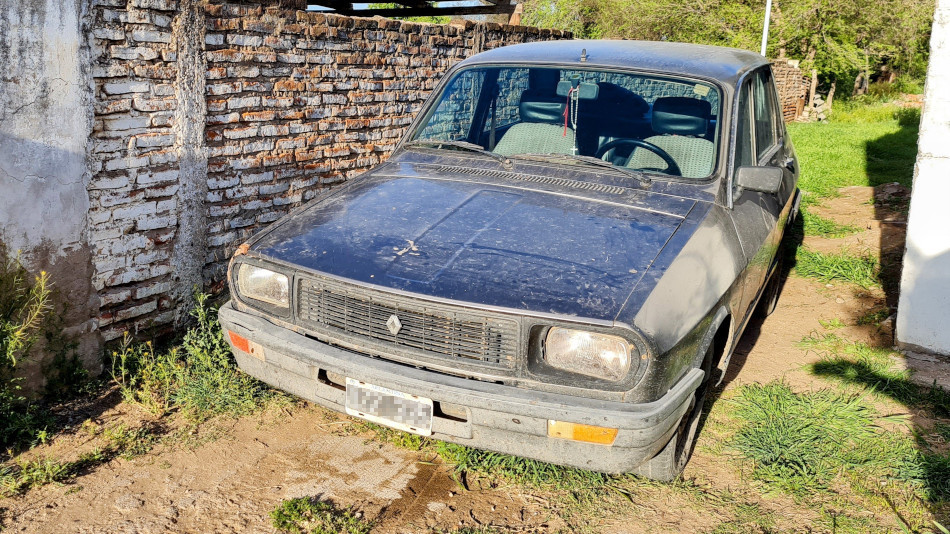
[[860, 85], [814, 86], [831, 97]]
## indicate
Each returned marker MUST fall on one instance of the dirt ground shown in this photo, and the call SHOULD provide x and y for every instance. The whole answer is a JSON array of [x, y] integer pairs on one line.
[[228, 478]]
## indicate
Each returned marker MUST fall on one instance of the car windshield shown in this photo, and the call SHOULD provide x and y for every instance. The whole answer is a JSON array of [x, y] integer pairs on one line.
[[637, 122]]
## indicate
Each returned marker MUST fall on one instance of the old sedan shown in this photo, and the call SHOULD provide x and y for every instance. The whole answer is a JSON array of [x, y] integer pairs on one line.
[[556, 262]]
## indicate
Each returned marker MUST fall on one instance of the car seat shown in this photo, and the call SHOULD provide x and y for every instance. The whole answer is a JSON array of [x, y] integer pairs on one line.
[[679, 124], [541, 130]]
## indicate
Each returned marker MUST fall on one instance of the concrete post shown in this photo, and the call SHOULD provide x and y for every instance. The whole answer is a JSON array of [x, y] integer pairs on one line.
[[191, 241], [923, 314], [45, 120]]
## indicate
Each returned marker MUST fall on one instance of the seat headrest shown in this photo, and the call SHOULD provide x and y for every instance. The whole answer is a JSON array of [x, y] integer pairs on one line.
[[681, 116], [615, 101], [536, 108]]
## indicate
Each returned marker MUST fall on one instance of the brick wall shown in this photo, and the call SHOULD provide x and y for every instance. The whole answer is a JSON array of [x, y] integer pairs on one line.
[[133, 193], [792, 88], [293, 102]]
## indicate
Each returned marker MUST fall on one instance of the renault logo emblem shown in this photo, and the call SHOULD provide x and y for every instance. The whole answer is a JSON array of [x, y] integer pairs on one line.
[[393, 324]]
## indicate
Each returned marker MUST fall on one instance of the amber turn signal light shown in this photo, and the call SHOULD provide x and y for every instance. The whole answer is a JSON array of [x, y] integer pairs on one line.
[[239, 342], [578, 432]]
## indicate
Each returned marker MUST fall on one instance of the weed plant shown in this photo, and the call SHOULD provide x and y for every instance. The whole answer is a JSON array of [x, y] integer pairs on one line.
[[198, 378], [25, 474], [466, 460], [120, 442], [23, 308], [306, 515], [24, 303]]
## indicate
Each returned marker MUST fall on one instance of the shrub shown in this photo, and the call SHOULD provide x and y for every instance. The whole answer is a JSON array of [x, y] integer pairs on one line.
[[24, 303], [23, 307], [199, 377]]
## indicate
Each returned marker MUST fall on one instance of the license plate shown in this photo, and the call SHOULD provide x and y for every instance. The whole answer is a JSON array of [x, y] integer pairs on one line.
[[389, 407]]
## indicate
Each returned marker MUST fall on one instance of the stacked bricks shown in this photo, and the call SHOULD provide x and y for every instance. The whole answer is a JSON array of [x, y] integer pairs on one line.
[[792, 88], [298, 101], [132, 218]]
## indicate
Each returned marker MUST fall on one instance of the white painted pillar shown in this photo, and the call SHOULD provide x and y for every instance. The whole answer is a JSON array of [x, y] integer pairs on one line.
[[923, 312]]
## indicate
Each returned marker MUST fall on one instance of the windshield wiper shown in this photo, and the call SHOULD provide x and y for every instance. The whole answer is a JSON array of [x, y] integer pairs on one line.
[[590, 160], [464, 145]]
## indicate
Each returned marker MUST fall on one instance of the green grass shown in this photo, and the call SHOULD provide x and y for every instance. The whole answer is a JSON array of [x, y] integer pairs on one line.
[[874, 317], [23, 423], [942, 430], [831, 324], [807, 443], [523, 471], [863, 270], [871, 368], [20, 476], [120, 442], [128, 442], [862, 144], [513, 469], [308, 515], [816, 225], [749, 518], [198, 378], [798, 442]]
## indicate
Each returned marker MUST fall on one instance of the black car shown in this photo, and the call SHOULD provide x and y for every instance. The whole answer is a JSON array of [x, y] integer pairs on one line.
[[556, 262]]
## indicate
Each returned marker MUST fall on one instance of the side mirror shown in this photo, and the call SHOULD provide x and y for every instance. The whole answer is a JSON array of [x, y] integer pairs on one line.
[[761, 179]]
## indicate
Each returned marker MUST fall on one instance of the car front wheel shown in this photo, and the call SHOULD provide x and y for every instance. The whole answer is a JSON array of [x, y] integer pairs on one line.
[[671, 460]]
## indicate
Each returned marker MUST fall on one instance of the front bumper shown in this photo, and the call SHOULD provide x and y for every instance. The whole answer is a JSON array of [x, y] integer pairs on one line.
[[500, 418]]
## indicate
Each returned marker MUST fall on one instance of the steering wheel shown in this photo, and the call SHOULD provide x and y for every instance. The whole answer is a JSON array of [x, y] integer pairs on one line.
[[671, 166]]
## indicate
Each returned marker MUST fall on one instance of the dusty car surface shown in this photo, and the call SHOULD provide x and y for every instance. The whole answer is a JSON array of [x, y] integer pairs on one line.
[[556, 262]]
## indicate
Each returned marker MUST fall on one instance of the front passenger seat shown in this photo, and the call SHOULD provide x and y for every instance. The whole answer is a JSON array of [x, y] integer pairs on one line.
[[541, 130], [680, 123]]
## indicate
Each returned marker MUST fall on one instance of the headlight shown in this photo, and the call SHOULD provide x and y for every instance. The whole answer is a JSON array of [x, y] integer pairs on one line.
[[588, 353], [263, 285]]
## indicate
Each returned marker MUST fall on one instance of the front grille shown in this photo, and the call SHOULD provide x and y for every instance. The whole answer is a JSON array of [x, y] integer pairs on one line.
[[428, 330]]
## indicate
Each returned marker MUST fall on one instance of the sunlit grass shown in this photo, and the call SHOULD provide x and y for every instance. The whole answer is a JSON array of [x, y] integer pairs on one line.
[[844, 266], [873, 369], [862, 144]]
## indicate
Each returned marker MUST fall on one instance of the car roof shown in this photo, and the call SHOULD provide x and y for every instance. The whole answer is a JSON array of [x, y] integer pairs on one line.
[[714, 62]]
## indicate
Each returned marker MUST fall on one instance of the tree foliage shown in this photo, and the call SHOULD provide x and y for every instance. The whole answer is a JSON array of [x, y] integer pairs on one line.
[[839, 38]]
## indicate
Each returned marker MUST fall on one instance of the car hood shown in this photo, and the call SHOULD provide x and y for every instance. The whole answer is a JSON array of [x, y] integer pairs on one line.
[[542, 251]]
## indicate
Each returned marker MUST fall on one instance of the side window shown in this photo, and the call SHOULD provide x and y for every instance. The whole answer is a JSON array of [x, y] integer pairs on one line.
[[763, 102], [511, 84], [744, 149], [452, 117]]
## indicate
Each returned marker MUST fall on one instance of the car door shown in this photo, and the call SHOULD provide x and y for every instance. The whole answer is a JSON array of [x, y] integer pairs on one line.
[[756, 215]]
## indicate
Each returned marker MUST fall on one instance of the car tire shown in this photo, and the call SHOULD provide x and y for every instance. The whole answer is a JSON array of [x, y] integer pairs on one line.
[[669, 463], [773, 289]]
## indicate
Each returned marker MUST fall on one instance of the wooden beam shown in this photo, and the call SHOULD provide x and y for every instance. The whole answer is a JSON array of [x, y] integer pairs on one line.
[[293, 4], [338, 6], [421, 11]]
